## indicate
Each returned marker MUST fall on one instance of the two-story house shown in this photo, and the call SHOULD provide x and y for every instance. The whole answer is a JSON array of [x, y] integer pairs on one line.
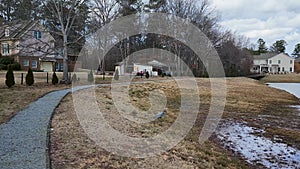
[[272, 63], [29, 44]]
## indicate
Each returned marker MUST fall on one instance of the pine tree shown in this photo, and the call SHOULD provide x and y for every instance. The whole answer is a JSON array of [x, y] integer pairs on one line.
[[54, 79], [10, 79], [116, 76], [74, 78], [90, 76], [29, 78]]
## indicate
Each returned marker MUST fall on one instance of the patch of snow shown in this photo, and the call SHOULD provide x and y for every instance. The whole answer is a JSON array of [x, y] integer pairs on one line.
[[256, 149]]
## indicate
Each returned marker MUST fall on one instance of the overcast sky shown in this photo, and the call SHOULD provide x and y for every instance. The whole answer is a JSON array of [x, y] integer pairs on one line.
[[268, 19]]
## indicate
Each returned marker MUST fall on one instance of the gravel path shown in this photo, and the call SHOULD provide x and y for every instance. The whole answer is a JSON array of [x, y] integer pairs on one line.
[[24, 139]]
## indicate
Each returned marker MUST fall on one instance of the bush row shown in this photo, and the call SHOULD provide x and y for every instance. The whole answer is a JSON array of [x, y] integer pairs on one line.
[[5, 62], [29, 78]]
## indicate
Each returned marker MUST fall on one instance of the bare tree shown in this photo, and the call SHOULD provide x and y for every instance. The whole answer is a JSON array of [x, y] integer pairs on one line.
[[102, 13], [63, 15]]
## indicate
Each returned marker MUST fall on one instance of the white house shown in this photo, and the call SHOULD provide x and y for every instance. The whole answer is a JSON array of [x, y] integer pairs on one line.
[[272, 63]]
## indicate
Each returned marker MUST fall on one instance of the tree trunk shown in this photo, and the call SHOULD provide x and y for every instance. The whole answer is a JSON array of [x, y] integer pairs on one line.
[[65, 61]]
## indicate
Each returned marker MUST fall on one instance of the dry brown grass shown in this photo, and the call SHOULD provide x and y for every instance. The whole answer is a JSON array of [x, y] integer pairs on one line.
[[19, 97], [282, 78], [15, 99], [247, 100]]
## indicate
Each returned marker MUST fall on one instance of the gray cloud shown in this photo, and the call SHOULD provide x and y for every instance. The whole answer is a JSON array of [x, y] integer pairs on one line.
[[270, 19]]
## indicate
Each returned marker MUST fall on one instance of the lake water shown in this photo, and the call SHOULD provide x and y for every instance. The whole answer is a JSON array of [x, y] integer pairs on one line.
[[257, 149], [293, 88]]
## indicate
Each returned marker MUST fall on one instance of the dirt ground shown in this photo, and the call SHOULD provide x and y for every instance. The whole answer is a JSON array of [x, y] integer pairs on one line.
[[248, 101]]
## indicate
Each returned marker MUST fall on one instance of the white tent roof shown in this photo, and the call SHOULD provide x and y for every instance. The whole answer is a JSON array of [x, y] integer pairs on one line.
[[156, 63]]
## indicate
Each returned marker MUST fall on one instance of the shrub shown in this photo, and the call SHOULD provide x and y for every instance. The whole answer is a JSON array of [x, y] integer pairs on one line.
[[16, 66], [10, 79], [29, 77], [3, 66], [6, 60], [74, 78], [90, 76], [147, 75], [116, 76], [54, 79]]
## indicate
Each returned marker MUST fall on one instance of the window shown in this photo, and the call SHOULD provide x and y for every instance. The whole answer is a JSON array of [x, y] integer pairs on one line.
[[5, 48], [279, 69], [25, 62], [270, 61], [291, 69], [37, 34], [34, 64], [39, 48], [279, 61], [59, 66], [6, 32], [291, 61], [56, 66], [283, 69]]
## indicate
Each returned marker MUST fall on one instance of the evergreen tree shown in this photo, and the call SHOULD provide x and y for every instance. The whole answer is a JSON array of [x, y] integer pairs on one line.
[[129, 7], [261, 46], [279, 46], [156, 6], [54, 79], [74, 78], [27, 9], [296, 52], [29, 78], [116, 76], [90, 76], [10, 79]]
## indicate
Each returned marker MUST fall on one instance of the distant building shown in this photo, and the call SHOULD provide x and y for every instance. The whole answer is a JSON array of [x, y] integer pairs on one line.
[[29, 44], [297, 65], [154, 68], [272, 63]]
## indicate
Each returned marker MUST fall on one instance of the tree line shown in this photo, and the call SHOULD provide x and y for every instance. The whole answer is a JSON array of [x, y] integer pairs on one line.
[[71, 23], [278, 46]]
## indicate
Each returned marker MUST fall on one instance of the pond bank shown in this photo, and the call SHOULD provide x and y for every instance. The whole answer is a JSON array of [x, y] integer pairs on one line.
[[256, 149], [250, 142]]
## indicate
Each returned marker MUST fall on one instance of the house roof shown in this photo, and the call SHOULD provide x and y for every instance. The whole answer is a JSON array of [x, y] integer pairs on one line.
[[156, 63], [16, 29], [297, 59], [264, 56]]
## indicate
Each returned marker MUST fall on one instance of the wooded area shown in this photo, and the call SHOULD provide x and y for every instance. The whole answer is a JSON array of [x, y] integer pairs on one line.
[[72, 22]]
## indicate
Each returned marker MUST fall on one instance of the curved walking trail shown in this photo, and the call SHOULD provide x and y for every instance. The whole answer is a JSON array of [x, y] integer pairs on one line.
[[24, 139]]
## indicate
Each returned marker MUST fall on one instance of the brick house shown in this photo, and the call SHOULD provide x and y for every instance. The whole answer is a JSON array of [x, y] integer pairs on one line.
[[30, 44]]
